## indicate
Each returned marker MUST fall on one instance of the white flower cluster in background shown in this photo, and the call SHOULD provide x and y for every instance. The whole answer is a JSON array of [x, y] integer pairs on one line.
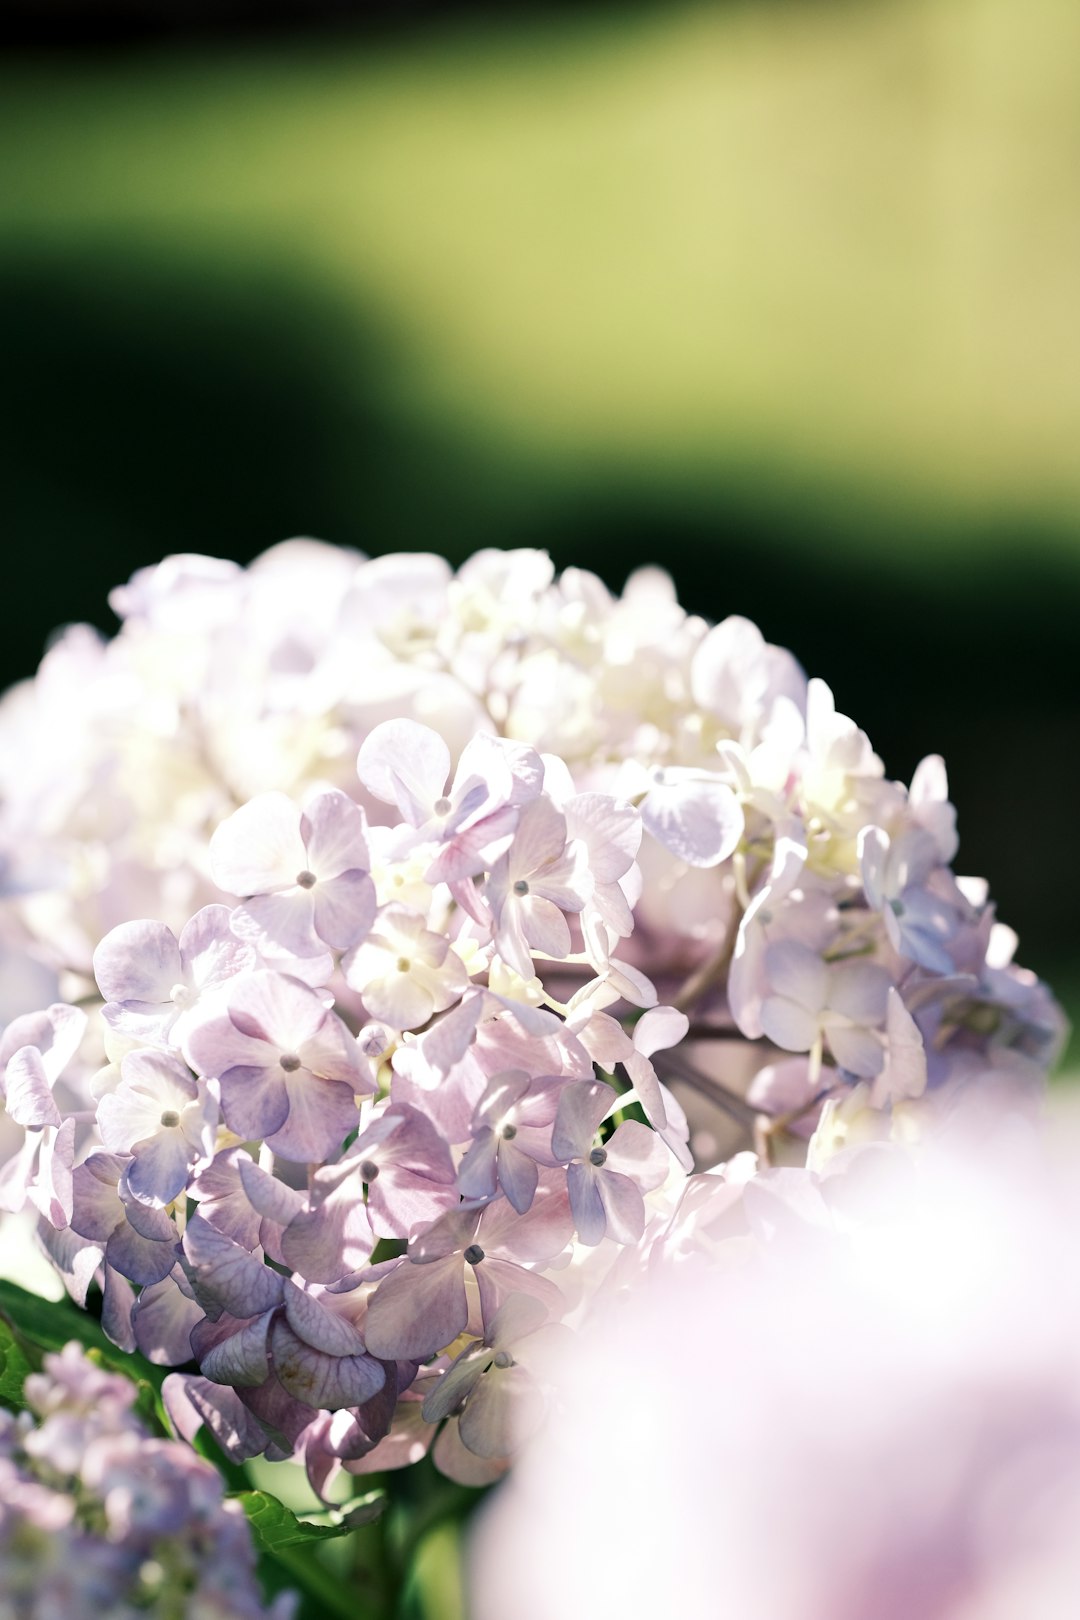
[[366, 915]]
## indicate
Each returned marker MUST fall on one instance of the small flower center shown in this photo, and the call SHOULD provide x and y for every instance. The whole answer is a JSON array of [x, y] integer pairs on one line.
[[403, 964], [170, 1118], [509, 1132], [180, 995], [289, 1062], [896, 907], [521, 887], [369, 1170], [306, 880], [503, 1358], [442, 807], [598, 1156], [474, 1254]]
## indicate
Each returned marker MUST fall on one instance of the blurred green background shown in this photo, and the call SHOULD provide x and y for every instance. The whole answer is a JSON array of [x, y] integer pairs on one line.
[[781, 295]]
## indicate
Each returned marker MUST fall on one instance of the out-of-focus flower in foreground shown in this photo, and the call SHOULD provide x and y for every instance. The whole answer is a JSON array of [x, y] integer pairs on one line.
[[869, 1411]]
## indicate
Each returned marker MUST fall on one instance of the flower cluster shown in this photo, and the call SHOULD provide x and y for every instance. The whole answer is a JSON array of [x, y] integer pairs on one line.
[[373, 1085], [98, 1517]]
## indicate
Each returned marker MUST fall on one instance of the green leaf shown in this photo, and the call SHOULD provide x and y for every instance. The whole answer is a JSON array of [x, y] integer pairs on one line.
[[275, 1526], [14, 1367], [290, 1543]]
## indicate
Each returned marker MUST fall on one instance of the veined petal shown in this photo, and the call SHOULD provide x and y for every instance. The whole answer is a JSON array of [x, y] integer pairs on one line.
[[582, 1106], [259, 847], [417, 1310], [624, 1207], [699, 820], [405, 763], [138, 961], [28, 1096], [797, 973], [586, 1203], [344, 909], [333, 829]]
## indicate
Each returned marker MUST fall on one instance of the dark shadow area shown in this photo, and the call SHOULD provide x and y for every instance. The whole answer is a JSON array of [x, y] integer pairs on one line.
[[108, 24], [160, 405]]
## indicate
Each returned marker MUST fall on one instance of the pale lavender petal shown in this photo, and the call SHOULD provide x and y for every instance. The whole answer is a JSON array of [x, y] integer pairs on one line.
[[344, 909], [28, 1097], [333, 830], [96, 1202], [642, 1077], [904, 1074], [211, 953], [787, 1025], [254, 1102], [322, 1329], [402, 1201], [117, 1298], [283, 921], [633, 1150], [226, 1275], [242, 1359], [138, 961], [698, 821], [408, 1441], [658, 1029], [624, 1207], [498, 1281], [417, 1310], [611, 831], [326, 1243], [17, 1173], [797, 973], [333, 1054], [75, 1259], [154, 1224], [858, 1050], [502, 1413], [518, 1176], [458, 1463], [190, 1402], [142, 1259], [160, 1167], [321, 1115], [519, 1315], [450, 1233], [873, 852], [541, 1234], [270, 1197], [223, 1200], [540, 839], [582, 1106], [545, 927], [475, 849], [586, 1203], [322, 1381], [258, 847], [399, 999], [457, 1382], [163, 1318], [860, 990], [477, 1173], [54, 1190], [406, 764]]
